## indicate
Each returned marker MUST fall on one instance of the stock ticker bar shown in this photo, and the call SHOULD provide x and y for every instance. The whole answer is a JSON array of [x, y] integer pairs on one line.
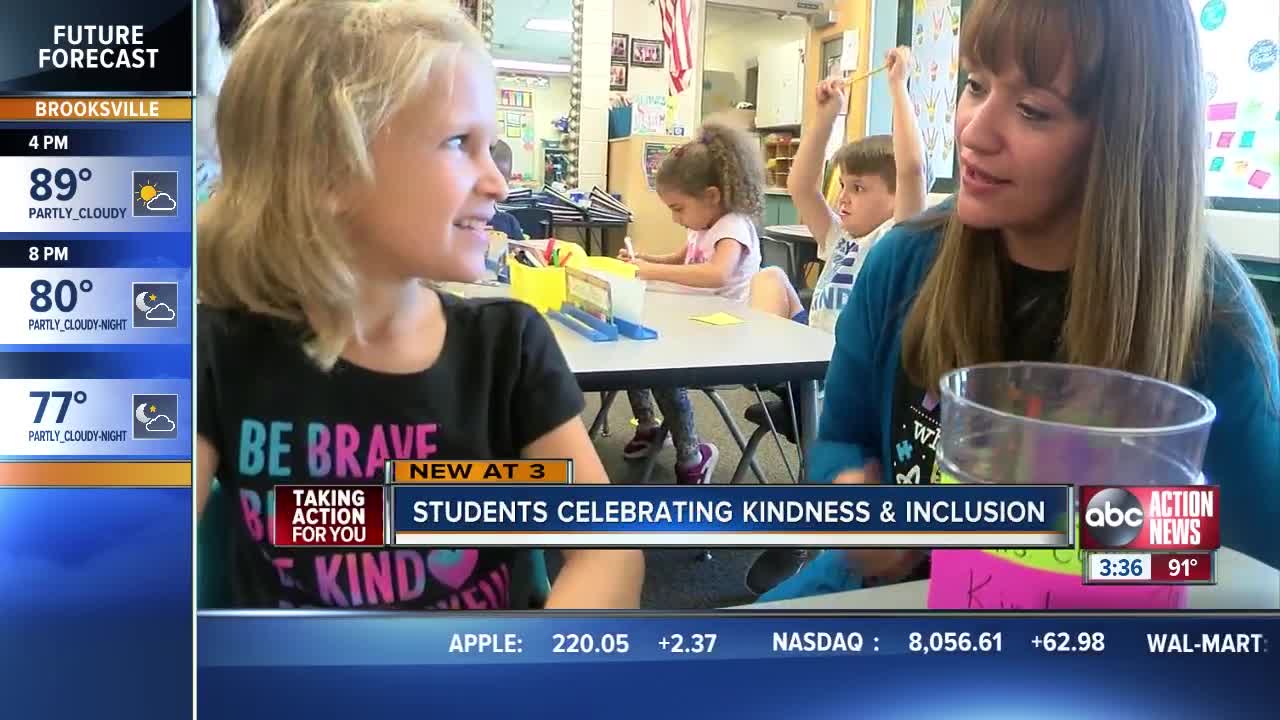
[[95, 243]]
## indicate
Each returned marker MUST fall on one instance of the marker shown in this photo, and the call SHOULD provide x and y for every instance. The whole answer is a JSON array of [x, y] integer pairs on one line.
[[631, 250]]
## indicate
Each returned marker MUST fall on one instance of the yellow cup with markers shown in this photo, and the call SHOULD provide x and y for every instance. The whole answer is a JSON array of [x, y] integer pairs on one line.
[[1057, 424]]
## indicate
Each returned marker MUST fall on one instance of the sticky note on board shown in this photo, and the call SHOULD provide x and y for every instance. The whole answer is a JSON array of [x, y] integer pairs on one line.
[[1259, 178], [1223, 111], [1224, 139], [720, 318], [1246, 140], [1216, 164]]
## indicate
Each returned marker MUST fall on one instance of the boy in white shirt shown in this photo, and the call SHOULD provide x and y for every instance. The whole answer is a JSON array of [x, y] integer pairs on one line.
[[883, 179]]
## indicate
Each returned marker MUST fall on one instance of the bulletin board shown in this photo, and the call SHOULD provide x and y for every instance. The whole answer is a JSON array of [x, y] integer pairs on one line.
[[517, 99], [932, 30], [1240, 41]]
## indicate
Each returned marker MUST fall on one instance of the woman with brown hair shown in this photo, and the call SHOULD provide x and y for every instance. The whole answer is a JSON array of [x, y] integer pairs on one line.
[[1078, 236]]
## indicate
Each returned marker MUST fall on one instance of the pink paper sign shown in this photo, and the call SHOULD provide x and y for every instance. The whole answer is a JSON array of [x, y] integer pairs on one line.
[[1224, 140], [1259, 179], [982, 580]]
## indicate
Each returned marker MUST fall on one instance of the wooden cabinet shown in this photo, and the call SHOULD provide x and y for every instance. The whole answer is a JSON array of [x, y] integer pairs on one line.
[[780, 93]]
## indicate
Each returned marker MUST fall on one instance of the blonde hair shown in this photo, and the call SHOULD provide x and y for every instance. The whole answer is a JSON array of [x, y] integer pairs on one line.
[[723, 157], [311, 85], [1142, 280]]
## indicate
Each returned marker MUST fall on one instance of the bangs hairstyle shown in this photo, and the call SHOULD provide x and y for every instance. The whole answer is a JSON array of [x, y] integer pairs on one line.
[[1141, 282], [871, 155], [311, 84]]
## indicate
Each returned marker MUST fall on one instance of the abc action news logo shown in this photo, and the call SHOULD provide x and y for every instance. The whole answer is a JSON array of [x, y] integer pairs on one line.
[[1149, 518]]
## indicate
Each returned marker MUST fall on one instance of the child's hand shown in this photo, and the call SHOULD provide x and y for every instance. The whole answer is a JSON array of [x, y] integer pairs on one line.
[[643, 268], [898, 61], [884, 564], [831, 97]]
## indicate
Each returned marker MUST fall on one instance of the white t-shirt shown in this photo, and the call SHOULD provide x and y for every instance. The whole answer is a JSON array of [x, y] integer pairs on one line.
[[843, 256], [701, 247]]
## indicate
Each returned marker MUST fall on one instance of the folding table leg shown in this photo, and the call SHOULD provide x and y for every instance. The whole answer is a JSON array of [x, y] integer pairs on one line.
[[734, 431]]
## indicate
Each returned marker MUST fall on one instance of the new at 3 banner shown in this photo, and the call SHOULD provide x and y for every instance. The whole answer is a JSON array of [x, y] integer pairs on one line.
[[738, 664]]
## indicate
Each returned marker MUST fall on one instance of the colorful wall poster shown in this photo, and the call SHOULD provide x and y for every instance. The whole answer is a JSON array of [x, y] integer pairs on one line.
[[654, 154], [1240, 41], [935, 50], [649, 115]]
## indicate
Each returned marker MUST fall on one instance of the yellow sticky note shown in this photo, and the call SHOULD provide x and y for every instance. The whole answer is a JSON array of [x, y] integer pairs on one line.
[[720, 318]]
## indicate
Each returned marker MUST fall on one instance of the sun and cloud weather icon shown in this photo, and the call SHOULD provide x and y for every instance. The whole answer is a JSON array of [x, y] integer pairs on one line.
[[155, 304], [155, 417], [155, 194]]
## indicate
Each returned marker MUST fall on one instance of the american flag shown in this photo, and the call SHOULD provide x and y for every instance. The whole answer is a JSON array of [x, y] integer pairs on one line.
[[675, 33]]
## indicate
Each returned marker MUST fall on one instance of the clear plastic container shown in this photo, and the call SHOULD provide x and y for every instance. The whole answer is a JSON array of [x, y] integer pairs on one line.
[[1070, 425], [1059, 425]]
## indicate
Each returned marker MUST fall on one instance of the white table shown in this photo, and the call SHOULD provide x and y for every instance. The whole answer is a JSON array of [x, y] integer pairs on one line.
[[1243, 584], [763, 349], [790, 232]]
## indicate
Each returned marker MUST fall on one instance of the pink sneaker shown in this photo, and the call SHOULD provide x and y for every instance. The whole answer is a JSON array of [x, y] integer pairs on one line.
[[700, 472], [639, 447]]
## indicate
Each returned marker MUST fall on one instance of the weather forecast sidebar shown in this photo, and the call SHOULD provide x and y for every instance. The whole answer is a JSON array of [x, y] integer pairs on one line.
[[96, 358]]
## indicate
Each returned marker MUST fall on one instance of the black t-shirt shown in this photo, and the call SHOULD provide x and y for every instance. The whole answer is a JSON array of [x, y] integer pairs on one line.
[[275, 417], [1034, 310]]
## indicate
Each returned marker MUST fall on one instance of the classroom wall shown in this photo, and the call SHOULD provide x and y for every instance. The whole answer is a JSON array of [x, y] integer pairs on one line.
[[549, 103], [884, 37], [593, 123], [735, 40], [639, 19], [852, 14]]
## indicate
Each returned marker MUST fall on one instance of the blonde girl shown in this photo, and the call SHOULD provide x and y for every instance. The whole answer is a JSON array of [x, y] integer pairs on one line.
[[355, 140]]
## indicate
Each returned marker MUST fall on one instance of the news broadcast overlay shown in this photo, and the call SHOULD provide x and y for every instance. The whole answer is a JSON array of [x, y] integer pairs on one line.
[[287, 664], [91, 46], [95, 273], [1150, 518], [1147, 568], [532, 504], [299, 638]]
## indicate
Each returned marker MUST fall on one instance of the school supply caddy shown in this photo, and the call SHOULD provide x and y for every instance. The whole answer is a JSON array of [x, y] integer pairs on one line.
[[599, 298]]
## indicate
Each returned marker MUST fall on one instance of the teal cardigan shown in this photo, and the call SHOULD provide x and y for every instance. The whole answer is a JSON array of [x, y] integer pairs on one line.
[[1243, 455]]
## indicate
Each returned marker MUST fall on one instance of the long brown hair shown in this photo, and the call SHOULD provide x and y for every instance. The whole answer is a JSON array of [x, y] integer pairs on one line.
[[1141, 284]]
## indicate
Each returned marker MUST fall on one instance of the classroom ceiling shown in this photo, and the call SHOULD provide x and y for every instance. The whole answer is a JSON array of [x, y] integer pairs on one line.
[[511, 41]]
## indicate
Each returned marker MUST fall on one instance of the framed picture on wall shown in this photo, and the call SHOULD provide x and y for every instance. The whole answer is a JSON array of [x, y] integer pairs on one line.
[[618, 47], [646, 53], [618, 76]]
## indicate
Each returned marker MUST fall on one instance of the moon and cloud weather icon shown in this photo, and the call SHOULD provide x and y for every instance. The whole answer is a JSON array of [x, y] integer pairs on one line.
[[154, 417], [155, 304], [155, 193]]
